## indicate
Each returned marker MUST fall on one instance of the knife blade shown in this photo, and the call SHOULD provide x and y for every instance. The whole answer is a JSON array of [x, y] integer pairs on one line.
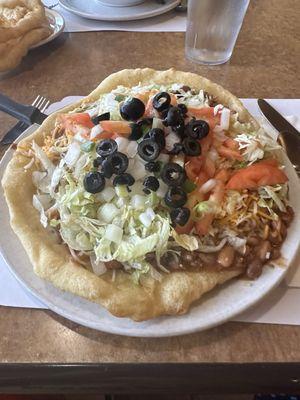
[[289, 137], [275, 118], [13, 133]]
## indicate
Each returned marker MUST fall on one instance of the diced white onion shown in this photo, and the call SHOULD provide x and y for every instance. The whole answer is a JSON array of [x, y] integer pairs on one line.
[[138, 171], [106, 195], [208, 186], [95, 131], [93, 112], [79, 138], [145, 219], [171, 139], [107, 212], [132, 148], [113, 233], [225, 119], [150, 213], [72, 154], [157, 123], [138, 201], [164, 158], [122, 144], [217, 108], [162, 190]]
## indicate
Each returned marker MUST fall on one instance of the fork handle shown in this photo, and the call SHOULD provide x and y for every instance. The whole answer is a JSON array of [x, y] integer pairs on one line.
[[20, 111]]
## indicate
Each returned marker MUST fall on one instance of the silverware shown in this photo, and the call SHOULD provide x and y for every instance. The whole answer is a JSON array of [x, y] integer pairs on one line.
[[289, 136], [182, 7], [24, 113], [41, 103]]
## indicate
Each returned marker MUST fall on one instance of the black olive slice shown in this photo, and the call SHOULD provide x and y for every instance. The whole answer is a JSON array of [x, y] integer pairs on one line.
[[123, 179], [136, 132], [132, 109], [119, 162], [150, 183], [158, 136], [191, 147], [175, 197], [173, 174], [106, 147], [197, 129], [161, 101], [180, 215], [94, 182], [102, 117], [148, 150]]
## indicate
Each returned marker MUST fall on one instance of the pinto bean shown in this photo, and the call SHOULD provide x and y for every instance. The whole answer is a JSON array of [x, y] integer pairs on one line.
[[254, 268], [274, 237], [288, 216], [207, 258], [263, 250], [253, 240], [170, 260], [240, 262], [113, 264], [275, 253], [226, 256]]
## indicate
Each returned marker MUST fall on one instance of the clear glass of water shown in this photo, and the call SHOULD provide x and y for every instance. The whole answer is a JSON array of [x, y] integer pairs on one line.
[[212, 29]]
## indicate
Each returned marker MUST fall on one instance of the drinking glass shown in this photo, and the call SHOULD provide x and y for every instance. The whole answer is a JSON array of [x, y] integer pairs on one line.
[[212, 29]]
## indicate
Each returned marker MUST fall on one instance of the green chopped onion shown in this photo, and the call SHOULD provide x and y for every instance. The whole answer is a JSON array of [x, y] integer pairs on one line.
[[121, 190], [87, 146], [119, 97], [189, 186]]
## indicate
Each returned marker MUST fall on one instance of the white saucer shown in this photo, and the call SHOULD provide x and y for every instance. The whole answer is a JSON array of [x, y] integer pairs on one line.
[[57, 24], [93, 9]]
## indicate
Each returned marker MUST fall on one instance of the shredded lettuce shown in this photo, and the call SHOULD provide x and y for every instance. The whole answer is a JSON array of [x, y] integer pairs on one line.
[[188, 242]]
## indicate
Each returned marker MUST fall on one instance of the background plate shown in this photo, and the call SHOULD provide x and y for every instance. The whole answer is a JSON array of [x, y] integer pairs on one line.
[[93, 9], [57, 24], [214, 308]]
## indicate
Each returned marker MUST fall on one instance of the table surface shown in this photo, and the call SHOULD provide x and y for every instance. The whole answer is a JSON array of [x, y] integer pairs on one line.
[[264, 64]]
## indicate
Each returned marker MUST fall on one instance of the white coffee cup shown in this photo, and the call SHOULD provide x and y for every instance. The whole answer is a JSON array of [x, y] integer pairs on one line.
[[120, 3]]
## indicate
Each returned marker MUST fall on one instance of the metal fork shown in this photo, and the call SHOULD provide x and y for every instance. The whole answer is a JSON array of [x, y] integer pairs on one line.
[[40, 102]]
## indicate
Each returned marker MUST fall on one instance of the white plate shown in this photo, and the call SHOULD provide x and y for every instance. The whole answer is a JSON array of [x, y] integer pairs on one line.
[[57, 24], [93, 9], [215, 308]]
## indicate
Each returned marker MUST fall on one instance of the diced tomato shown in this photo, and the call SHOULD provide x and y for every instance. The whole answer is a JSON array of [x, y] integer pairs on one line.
[[263, 173], [193, 168], [231, 144], [209, 167], [201, 112], [120, 128], [229, 153], [173, 99], [106, 135], [82, 119], [202, 226], [149, 110], [223, 175], [206, 142], [206, 113]]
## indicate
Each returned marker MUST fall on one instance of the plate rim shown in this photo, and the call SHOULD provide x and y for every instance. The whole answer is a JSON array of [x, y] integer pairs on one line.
[[161, 10], [57, 16], [239, 307]]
